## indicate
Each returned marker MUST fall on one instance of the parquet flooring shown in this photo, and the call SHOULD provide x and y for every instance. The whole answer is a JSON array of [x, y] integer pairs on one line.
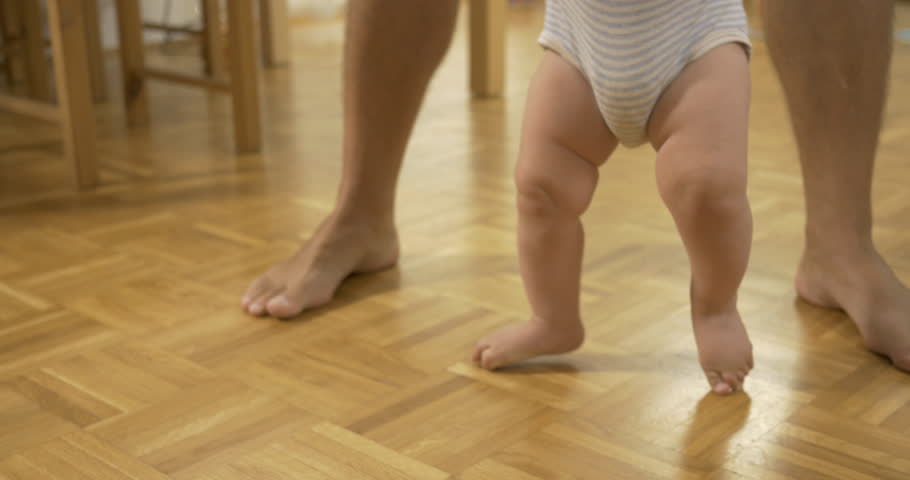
[[124, 355]]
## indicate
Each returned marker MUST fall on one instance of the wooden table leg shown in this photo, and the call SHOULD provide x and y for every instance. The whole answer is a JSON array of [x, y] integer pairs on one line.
[[275, 34], [487, 46], [36, 66], [212, 42], [132, 61], [95, 51], [244, 76], [77, 114]]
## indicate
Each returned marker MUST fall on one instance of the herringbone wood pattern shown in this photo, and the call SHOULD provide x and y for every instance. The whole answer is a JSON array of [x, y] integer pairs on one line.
[[124, 355]]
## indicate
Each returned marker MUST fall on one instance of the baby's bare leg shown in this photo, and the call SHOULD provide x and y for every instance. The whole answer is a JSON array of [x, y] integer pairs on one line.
[[700, 131], [564, 140]]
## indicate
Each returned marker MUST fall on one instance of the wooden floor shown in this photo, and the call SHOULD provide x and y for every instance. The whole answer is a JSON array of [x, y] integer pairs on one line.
[[124, 355]]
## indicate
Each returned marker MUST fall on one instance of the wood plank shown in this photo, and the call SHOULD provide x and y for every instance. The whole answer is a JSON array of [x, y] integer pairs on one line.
[[78, 456], [25, 423]]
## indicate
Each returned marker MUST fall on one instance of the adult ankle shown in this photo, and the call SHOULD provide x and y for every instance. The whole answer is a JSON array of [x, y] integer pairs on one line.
[[839, 247], [361, 214]]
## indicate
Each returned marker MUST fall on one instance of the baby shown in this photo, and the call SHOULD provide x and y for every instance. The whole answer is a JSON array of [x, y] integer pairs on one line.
[[674, 73]]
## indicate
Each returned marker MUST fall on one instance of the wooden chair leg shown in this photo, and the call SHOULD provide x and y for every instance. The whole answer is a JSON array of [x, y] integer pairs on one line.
[[8, 32], [95, 51], [275, 34], [77, 115], [36, 66], [132, 61], [487, 47], [244, 77], [212, 42]]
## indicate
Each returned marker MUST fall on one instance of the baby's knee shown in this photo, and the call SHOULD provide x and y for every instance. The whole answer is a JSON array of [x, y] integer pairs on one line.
[[535, 196], [551, 178], [703, 189], [543, 195]]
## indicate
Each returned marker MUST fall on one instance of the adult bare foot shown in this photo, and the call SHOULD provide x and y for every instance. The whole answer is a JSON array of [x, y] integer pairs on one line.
[[865, 287], [310, 277], [517, 343], [724, 350]]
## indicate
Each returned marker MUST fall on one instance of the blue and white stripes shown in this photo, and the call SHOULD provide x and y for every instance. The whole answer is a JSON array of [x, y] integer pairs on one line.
[[630, 50]]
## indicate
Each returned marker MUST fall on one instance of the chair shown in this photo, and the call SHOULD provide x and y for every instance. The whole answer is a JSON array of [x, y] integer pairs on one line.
[[73, 110], [75, 43], [242, 83]]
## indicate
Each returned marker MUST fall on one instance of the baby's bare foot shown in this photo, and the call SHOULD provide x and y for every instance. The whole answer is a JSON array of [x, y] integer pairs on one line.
[[517, 343], [869, 292], [310, 277], [724, 350]]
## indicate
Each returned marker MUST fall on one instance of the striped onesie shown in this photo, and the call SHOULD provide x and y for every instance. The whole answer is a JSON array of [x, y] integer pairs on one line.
[[631, 50]]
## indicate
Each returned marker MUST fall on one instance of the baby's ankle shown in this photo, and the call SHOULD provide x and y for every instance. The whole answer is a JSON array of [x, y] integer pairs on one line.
[[706, 310]]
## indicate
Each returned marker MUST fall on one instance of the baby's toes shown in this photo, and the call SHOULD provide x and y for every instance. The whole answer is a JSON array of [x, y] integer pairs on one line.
[[741, 376], [733, 380], [717, 383]]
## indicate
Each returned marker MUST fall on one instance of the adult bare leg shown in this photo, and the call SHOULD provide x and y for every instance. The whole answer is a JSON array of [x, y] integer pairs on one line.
[[833, 59], [392, 50]]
